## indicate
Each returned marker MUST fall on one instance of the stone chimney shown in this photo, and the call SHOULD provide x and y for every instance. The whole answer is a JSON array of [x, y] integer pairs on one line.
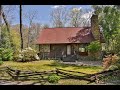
[[95, 27]]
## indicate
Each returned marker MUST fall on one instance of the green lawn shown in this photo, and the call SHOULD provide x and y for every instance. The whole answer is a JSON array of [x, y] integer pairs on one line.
[[45, 65]]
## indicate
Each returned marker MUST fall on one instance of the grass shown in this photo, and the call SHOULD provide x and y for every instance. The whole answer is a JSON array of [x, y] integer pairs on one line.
[[45, 65]]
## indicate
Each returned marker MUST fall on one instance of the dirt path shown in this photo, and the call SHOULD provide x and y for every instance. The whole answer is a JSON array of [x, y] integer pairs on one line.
[[115, 82], [5, 82], [2, 82]]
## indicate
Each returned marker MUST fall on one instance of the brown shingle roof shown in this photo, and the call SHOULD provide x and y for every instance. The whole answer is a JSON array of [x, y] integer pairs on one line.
[[65, 35]]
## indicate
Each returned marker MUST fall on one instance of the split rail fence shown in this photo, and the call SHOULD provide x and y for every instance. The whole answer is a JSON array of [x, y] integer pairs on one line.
[[19, 74]]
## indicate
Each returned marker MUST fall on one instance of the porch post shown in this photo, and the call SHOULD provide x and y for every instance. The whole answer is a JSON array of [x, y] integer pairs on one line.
[[69, 49]]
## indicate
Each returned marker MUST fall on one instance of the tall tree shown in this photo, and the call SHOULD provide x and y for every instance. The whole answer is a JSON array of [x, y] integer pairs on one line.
[[16, 28], [15, 35], [59, 17], [0, 21], [2, 14], [20, 12], [30, 16], [8, 11], [109, 19], [75, 17], [79, 17], [35, 30], [8, 29]]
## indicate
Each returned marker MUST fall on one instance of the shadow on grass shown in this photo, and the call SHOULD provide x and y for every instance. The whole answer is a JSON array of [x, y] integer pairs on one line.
[[58, 64], [88, 67]]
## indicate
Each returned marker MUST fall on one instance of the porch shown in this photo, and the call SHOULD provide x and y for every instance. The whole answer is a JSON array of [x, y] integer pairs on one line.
[[62, 51]]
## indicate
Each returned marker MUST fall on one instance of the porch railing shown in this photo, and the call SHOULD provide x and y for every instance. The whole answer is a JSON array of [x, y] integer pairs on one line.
[[49, 55]]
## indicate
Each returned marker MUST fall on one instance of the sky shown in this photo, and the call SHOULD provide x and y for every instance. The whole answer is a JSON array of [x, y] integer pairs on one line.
[[43, 12]]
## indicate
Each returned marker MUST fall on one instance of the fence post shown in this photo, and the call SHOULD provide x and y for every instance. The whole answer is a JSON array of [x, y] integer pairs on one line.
[[96, 79], [17, 73], [57, 71]]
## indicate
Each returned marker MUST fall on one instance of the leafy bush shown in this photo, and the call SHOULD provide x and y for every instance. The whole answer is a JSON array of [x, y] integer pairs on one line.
[[1, 62], [5, 40], [53, 78], [28, 54], [94, 47], [6, 54]]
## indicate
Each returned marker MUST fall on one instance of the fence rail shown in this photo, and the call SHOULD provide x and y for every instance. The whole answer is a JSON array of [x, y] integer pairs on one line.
[[71, 71], [16, 74]]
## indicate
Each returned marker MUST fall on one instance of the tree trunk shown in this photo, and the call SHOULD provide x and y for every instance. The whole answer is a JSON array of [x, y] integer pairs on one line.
[[8, 29], [0, 21], [21, 27], [7, 25], [29, 36]]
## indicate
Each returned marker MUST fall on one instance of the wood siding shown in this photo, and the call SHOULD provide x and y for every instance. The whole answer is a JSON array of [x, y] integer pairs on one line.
[[44, 48]]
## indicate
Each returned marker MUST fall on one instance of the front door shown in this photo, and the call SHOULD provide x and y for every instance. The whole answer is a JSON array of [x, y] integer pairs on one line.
[[68, 49]]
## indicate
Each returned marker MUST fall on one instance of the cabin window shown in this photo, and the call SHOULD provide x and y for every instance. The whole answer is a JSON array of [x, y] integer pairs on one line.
[[82, 48]]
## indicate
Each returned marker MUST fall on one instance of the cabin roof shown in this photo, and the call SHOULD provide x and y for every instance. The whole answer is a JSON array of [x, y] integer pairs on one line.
[[65, 35]]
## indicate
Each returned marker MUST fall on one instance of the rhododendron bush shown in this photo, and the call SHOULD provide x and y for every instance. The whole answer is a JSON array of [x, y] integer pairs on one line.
[[28, 54]]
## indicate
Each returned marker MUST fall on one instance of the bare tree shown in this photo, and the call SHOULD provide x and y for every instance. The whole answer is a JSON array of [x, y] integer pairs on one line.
[[75, 16], [79, 17], [20, 12], [59, 17], [87, 14], [8, 11], [30, 16], [46, 26], [35, 29]]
